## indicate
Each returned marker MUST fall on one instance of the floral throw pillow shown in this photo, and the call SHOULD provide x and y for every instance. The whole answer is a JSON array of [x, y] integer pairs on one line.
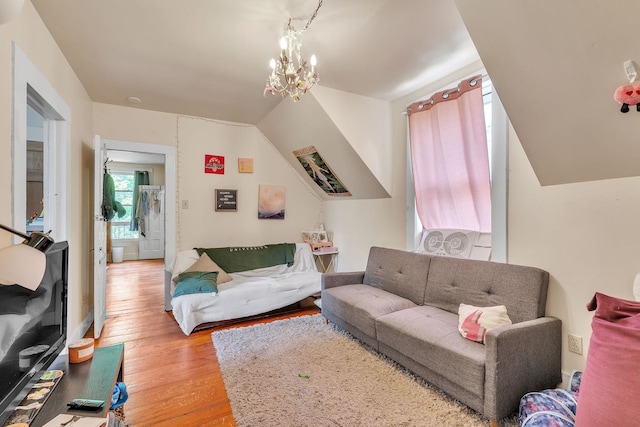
[[474, 322]]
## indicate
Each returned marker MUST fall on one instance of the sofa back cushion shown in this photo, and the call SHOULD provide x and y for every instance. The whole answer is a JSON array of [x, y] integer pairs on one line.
[[399, 272], [452, 281]]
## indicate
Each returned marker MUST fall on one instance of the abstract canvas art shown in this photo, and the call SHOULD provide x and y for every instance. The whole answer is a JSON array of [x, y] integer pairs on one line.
[[271, 201]]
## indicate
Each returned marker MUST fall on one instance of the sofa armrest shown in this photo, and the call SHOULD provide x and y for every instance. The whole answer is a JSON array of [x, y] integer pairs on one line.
[[520, 358], [331, 280]]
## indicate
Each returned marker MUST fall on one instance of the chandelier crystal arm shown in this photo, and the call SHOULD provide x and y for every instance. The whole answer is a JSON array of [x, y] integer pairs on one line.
[[290, 73]]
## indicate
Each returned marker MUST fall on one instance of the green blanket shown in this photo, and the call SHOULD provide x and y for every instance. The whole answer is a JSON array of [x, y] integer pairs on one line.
[[242, 258]]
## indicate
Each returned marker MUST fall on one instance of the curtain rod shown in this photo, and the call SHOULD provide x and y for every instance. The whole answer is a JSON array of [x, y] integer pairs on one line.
[[445, 94]]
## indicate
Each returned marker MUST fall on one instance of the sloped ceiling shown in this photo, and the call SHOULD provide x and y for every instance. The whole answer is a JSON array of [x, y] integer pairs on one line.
[[555, 66], [294, 126]]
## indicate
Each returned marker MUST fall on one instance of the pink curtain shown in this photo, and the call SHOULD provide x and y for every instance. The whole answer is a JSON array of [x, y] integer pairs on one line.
[[450, 159]]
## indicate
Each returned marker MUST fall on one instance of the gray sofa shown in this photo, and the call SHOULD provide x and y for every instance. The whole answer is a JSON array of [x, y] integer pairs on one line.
[[405, 305]]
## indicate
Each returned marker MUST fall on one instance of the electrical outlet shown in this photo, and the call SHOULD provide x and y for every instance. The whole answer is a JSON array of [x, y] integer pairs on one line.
[[185, 204], [575, 344]]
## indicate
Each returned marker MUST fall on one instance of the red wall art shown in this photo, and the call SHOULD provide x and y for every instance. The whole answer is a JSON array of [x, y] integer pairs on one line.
[[213, 164]]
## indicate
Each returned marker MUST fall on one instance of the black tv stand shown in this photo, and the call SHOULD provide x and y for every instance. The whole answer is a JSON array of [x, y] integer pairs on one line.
[[92, 379]]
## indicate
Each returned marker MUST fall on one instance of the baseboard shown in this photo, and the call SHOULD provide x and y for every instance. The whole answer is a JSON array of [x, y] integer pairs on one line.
[[81, 330]]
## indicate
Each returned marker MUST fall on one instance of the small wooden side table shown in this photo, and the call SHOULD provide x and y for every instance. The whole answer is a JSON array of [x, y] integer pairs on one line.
[[92, 379], [319, 256]]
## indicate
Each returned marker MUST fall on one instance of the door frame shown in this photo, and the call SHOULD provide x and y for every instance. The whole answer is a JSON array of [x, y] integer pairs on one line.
[[170, 190], [99, 240], [29, 82]]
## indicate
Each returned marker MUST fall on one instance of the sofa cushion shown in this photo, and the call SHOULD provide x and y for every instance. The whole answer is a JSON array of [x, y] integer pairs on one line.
[[430, 337], [205, 263], [196, 282], [399, 272], [361, 305], [452, 281]]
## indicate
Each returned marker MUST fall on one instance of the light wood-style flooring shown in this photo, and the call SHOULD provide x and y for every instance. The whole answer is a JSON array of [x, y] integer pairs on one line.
[[172, 379]]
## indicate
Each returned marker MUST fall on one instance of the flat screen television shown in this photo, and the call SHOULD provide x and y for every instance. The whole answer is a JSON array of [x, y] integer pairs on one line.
[[33, 328]]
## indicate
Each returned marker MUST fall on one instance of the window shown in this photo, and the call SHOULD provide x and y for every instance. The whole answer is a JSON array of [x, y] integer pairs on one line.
[[124, 194], [449, 155], [497, 126]]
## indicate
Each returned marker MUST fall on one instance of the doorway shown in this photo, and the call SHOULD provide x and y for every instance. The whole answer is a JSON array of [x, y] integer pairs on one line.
[[139, 183], [132, 151], [39, 167]]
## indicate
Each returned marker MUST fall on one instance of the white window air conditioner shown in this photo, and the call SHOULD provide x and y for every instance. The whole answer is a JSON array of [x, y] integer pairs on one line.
[[448, 242]]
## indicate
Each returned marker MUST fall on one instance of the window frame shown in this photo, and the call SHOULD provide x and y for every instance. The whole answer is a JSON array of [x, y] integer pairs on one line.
[[125, 170]]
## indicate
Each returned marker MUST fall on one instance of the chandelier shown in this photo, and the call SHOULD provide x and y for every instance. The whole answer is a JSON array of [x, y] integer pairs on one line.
[[290, 74]]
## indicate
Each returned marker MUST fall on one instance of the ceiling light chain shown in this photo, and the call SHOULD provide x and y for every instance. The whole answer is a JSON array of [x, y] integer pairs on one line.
[[315, 13], [290, 75]]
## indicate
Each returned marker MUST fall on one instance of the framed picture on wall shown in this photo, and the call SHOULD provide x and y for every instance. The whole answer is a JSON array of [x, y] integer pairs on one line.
[[320, 172], [213, 164], [315, 236], [226, 200], [245, 165], [271, 202]]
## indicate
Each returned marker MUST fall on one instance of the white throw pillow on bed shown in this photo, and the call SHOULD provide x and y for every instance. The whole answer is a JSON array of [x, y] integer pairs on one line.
[[204, 263], [474, 322]]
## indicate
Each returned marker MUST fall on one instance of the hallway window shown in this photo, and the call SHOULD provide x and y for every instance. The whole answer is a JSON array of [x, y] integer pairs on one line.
[[124, 194]]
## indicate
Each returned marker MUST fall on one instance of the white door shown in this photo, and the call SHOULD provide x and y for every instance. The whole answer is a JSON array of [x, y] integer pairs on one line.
[[151, 228], [99, 241]]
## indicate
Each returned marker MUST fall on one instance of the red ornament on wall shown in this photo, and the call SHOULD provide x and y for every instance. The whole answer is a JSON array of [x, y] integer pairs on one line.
[[213, 164]]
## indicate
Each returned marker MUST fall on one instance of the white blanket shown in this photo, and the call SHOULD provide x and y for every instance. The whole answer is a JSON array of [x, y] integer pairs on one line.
[[249, 293]]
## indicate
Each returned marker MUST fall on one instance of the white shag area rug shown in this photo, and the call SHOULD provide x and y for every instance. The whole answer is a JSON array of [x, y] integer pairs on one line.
[[303, 372]]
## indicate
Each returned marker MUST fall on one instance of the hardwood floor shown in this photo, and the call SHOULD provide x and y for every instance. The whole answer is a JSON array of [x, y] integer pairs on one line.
[[172, 379]]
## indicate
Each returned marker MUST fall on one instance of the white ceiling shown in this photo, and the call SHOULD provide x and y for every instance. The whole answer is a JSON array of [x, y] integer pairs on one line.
[[209, 58], [555, 65]]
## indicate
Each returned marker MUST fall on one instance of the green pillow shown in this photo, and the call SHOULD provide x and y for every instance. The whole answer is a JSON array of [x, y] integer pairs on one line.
[[196, 282]]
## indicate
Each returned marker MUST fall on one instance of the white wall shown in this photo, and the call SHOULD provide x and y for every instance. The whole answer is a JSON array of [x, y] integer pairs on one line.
[[33, 38], [134, 124], [586, 235], [200, 225]]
